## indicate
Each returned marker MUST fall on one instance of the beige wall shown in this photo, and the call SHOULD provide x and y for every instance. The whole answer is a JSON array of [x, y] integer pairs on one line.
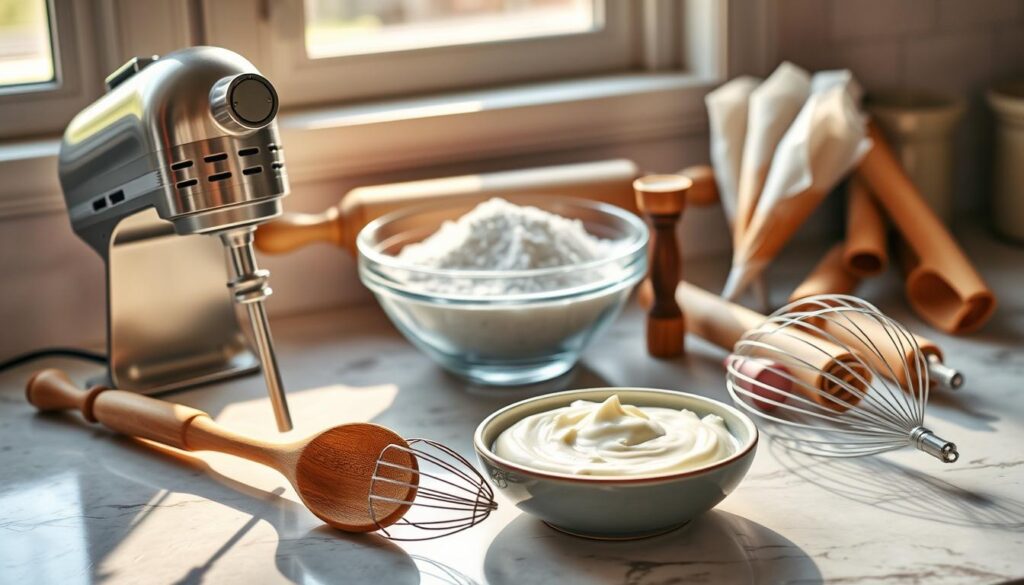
[[957, 47]]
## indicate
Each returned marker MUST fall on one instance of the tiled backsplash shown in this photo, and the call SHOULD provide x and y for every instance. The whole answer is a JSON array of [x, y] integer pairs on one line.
[[955, 47]]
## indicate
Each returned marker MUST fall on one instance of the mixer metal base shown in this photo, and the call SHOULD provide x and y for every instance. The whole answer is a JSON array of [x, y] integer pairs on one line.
[[171, 321]]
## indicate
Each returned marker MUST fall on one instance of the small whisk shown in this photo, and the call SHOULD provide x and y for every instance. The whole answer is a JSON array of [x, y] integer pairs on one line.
[[885, 386], [446, 493]]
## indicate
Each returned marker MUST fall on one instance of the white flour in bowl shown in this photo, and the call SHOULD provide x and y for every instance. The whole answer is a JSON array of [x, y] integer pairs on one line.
[[487, 307], [498, 235]]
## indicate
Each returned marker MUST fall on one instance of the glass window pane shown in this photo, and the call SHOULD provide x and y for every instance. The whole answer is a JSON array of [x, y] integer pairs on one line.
[[350, 27], [25, 52]]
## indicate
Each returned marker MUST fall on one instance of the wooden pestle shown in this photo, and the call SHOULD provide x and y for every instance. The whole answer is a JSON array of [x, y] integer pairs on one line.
[[817, 360], [942, 285], [331, 471], [703, 192], [662, 199], [609, 181]]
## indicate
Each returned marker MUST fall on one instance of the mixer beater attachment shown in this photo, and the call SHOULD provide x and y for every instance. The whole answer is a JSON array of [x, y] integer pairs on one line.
[[449, 495], [249, 287], [885, 386]]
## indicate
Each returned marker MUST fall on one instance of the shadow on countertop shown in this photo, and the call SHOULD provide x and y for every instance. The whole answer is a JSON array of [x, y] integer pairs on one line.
[[717, 547], [890, 486], [125, 480]]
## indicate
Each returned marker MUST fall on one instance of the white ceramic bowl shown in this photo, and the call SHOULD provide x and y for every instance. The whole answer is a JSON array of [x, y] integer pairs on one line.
[[616, 507]]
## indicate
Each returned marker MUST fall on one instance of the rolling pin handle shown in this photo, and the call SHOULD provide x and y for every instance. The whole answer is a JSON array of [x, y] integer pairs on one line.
[[292, 231], [704, 190], [51, 390]]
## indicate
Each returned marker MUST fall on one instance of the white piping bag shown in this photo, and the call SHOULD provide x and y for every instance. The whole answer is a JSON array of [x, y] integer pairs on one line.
[[826, 140], [773, 106], [727, 122]]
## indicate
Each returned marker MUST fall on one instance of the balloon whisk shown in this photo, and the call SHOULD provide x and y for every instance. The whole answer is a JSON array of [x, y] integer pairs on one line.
[[871, 402]]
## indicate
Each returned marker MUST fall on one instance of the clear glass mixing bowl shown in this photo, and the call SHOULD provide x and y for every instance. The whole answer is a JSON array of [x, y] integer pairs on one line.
[[503, 339]]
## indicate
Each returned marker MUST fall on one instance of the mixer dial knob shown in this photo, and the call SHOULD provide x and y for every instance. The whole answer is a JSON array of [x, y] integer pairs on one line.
[[242, 103]]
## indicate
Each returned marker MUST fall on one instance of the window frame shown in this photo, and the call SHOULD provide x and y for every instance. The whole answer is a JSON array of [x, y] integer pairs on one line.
[[662, 97], [40, 108], [280, 52]]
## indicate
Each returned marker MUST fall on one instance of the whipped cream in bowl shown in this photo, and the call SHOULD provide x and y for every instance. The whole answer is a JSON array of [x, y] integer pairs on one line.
[[616, 440], [616, 463]]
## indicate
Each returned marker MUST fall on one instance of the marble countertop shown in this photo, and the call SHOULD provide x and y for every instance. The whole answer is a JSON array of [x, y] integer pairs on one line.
[[79, 504]]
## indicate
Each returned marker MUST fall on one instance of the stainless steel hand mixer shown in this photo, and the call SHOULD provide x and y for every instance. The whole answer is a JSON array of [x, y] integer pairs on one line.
[[870, 402], [180, 147]]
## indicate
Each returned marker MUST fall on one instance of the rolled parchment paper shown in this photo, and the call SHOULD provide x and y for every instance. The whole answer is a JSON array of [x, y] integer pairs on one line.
[[813, 362], [941, 284], [865, 252], [773, 106], [829, 276], [727, 129]]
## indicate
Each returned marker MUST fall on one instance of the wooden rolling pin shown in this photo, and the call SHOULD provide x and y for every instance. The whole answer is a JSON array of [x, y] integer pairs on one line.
[[610, 181], [893, 364], [942, 285], [724, 323]]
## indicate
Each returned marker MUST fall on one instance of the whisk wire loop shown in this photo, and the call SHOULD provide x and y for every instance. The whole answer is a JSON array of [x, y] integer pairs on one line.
[[885, 407], [448, 495]]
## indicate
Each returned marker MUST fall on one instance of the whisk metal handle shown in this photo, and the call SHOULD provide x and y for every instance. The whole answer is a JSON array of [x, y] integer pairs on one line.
[[927, 441]]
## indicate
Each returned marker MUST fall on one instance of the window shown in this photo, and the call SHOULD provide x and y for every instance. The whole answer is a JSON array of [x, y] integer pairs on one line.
[[336, 28], [26, 53], [48, 64], [326, 51]]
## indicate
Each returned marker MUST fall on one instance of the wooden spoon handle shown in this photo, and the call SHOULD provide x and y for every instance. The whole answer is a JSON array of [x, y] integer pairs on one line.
[[125, 412], [295, 230]]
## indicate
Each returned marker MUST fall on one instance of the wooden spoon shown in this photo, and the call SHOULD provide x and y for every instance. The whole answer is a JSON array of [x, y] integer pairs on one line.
[[331, 471]]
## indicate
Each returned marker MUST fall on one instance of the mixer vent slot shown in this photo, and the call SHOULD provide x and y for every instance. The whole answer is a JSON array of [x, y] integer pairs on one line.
[[186, 184], [216, 157], [249, 151], [98, 204], [219, 177], [181, 164], [273, 147], [252, 171], [277, 166], [116, 197]]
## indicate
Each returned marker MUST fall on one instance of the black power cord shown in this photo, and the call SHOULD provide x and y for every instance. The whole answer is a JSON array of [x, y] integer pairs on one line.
[[67, 352]]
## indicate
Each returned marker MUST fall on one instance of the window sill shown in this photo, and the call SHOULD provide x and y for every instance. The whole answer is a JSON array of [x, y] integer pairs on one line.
[[353, 140]]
